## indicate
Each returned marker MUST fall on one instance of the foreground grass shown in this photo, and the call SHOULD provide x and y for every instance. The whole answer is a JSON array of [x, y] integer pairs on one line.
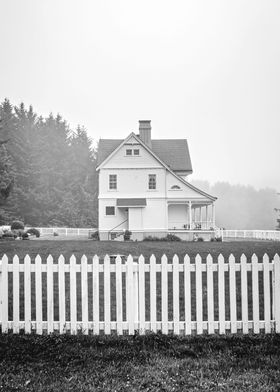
[[149, 363], [90, 248]]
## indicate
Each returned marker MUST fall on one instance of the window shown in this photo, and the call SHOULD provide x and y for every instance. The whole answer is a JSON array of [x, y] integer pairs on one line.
[[110, 210], [136, 151], [152, 181], [175, 187], [129, 152], [112, 181]]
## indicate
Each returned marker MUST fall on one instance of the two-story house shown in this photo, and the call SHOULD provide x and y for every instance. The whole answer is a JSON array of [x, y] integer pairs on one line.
[[143, 188]]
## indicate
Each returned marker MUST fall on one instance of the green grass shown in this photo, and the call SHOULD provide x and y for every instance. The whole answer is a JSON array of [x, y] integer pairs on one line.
[[149, 363], [90, 248]]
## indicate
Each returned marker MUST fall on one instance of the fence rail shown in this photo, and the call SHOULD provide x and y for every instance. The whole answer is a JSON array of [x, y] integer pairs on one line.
[[250, 234], [122, 296]]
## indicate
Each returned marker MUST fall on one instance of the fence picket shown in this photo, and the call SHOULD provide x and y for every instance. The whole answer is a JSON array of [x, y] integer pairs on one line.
[[107, 296], [61, 290], [232, 294], [119, 298], [244, 294], [142, 326], [176, 313], [136, 295], [50, 293], [210, 294], [16, 294], [4, 294], [73, 295], [187, 287], [164, 295], [84, 283], [221, 293], [153, 311], [266, 293], [27, 295], [129, 294], [255, 292], [95, 294], [38, 294], [198, 281], [276, 292]]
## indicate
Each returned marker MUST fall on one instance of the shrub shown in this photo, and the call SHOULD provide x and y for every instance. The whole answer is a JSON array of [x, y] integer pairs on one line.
[[25, 236], [17, 225], [151, 238], [95, 235], [127, 235], [172, 237], [9, 234], [33, 231], [219, 239], [200, 239], [18, 232], [55, 234]]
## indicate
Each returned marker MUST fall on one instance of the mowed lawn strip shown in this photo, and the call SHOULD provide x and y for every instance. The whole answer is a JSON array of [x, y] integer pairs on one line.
[[158, 248], [149, 363], [67, 248]]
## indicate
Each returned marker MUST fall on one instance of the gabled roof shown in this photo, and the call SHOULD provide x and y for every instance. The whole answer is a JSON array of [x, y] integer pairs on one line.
[[173, 152], [118, 143]]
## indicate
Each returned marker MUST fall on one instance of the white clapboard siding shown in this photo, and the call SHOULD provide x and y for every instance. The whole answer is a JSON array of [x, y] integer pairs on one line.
[[136, 292]]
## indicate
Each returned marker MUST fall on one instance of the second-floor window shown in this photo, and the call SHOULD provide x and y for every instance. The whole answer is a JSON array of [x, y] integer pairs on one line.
[[112, 181], [152, 181]]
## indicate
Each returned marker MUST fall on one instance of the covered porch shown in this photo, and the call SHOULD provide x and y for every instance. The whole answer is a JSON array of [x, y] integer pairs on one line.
[[191, 215]]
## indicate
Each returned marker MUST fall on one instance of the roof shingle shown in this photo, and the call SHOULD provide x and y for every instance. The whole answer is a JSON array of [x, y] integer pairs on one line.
[[173, 152]]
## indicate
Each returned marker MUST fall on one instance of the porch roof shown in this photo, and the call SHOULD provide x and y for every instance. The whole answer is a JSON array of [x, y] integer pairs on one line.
[[131, 202]]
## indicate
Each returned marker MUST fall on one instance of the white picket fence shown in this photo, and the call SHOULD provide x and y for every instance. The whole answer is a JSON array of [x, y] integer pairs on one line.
[[67, 231], [124, 296], [250, 234]]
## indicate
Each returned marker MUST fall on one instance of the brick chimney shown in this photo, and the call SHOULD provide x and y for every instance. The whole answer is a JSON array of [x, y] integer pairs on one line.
[[145, 132]]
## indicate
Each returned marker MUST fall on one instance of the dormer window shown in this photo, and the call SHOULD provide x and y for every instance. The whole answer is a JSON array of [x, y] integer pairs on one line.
[[175, 187], [129, 152]]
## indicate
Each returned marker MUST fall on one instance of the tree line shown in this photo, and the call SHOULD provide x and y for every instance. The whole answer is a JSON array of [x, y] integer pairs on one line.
[[48, 177], [47, 170]]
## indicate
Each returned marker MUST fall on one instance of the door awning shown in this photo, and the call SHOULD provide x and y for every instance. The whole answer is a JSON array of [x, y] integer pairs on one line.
[[131, 202]]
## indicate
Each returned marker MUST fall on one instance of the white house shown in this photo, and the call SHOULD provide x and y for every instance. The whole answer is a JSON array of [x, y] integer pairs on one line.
[[143, 188]]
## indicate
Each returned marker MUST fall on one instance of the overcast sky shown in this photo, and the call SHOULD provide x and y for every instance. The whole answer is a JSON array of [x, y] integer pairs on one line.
[[208, 71]]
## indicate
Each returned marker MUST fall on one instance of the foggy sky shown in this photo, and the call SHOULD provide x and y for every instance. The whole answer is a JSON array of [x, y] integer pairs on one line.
[[206, 70]]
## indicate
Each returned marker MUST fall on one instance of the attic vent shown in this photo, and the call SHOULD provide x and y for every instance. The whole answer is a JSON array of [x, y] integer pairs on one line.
[[175, 187]]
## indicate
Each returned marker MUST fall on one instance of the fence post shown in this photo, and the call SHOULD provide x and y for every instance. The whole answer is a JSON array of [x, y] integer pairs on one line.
[[276, 292], [136, 292]]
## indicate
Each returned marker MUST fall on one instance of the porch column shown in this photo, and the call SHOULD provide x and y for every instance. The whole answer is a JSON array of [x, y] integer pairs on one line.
[[200, 215], [207, 217], [213, 215], [190, 214]]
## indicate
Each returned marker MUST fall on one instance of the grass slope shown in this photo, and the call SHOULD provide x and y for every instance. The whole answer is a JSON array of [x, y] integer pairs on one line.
[[149, 363]]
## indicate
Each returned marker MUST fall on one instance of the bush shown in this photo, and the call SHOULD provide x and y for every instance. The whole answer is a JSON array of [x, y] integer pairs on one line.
[[9, 234], [168, 238], [33, 231], [172, 237], [95, 235], [127, 235], [151, 238], [18, 233], [200, 239], [17, 225], [55, 234]]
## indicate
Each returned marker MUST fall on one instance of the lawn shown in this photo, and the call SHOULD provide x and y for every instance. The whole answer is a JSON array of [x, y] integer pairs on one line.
[[150, 363], [90, 248]]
